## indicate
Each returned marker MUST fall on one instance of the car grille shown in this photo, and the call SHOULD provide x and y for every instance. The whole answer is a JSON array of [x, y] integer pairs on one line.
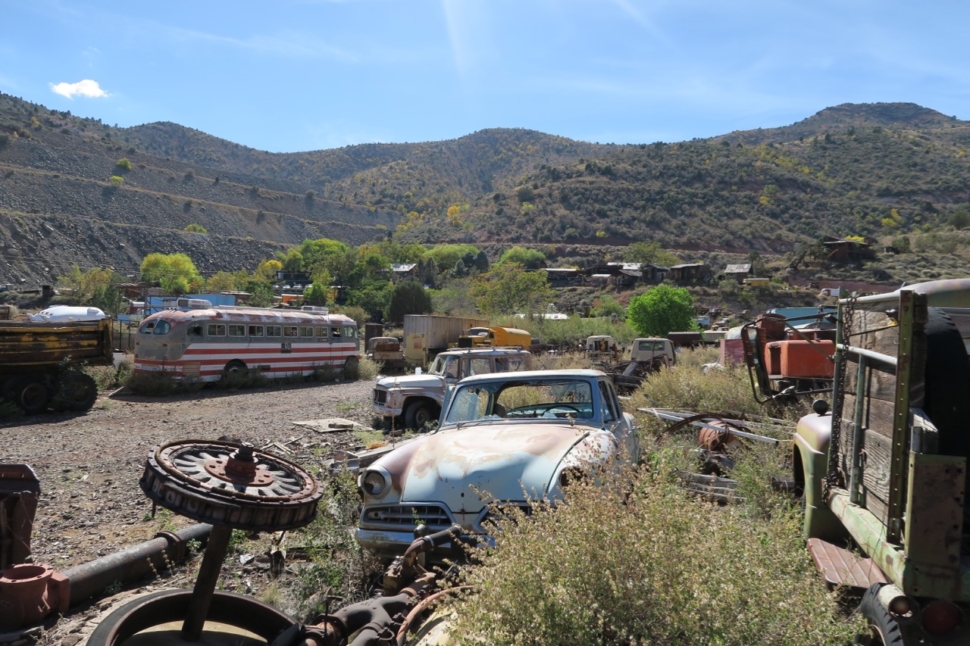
[[380, 396], [406, 516], [491, 516]]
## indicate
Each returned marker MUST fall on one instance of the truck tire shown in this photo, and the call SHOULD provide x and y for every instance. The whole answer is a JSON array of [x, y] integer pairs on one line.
[[420, 414], [30, 394], [884, 628], [76, 392], [947, 382]]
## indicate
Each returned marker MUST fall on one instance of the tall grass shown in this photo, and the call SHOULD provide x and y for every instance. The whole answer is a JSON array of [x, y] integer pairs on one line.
[[655, 568]]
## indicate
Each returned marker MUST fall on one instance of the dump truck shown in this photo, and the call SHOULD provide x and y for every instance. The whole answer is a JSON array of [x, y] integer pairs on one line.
[[386, 350], [39, 363], [883, 470], [425, 335], [496, 337]]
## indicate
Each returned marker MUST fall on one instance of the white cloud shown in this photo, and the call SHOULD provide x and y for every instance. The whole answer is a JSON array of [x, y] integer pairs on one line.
[[86, 88]]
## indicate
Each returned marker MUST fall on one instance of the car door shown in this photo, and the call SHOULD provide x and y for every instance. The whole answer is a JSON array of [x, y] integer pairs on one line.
[[616, 422]]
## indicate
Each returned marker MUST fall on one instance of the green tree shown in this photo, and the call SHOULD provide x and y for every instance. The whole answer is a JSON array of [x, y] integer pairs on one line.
[[508, 289], [96, 287], [292, 260], [175, 273], [446, 255], [661, 310], [221, 281], [373, 298], [316, 294], [528, 258], [408, 298], [266, 271], [261, 293]]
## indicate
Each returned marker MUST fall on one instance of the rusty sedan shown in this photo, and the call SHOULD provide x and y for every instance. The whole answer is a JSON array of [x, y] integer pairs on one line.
[[508, 438]]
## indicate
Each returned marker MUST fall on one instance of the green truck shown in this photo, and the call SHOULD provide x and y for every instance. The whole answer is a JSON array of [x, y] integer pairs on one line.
[[884, 472], [39, 363]]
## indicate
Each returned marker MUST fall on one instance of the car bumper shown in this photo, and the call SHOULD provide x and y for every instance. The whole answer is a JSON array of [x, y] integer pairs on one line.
[[387, 411], [389, 543]]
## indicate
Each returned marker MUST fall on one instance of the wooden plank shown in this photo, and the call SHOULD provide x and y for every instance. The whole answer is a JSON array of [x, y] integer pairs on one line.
[[877, 415], [875, 472]]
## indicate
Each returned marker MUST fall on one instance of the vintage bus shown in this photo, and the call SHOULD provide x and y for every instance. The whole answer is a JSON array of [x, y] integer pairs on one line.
[[209, 344]]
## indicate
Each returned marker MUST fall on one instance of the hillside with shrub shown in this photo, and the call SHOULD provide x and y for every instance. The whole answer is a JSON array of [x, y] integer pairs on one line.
[[76, 190]]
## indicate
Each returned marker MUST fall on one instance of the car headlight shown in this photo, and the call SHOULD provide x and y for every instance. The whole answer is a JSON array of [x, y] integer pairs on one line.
[[374, 483]]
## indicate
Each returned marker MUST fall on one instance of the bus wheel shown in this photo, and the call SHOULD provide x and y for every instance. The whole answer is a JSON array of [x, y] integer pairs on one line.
[[234, 368], [76, 392], [30, 394], [351, 368]]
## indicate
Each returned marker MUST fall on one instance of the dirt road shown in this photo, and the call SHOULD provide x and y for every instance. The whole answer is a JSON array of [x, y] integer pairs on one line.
[[89, 464]]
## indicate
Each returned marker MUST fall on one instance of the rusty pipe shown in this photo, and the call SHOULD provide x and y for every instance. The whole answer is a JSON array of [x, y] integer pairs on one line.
[[166, 549]]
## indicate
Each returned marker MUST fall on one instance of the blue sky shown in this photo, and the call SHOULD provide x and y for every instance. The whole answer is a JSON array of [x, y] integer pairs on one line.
[[292, 75]]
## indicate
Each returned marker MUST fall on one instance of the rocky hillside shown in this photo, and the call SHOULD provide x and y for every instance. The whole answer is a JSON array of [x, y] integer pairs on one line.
[[878, 170]]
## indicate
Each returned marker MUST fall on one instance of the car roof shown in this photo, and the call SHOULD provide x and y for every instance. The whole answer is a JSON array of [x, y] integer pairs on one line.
[[535, 374]]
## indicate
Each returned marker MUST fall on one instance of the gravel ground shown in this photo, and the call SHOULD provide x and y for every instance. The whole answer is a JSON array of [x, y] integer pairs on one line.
[[89, 465]]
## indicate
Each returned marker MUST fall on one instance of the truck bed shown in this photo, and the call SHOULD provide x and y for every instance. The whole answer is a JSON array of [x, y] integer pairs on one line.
[[29, 344]]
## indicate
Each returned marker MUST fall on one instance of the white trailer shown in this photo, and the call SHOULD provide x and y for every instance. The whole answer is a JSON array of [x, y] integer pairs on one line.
[[425, 335]]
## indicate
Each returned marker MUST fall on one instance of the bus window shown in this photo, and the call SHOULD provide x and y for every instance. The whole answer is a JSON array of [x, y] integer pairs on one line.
[[274, 330], [195, 329], [290, 330], [236, 329], [255, 330], [215, 329], [350, 332], [147, 327], [335, 332], [162, 327], [306, 331], [322, 332]]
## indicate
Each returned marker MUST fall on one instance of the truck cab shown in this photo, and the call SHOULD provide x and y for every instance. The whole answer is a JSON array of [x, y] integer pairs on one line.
[[883, 469], [416, 399]]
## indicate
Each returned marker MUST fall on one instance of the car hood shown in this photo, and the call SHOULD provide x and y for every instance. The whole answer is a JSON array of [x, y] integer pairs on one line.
[[464, 468], [411, 381]]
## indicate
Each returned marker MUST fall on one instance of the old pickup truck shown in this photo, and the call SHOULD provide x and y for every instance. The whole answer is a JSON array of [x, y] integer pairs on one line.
[[513, 437], [884, 473], [418, 397]]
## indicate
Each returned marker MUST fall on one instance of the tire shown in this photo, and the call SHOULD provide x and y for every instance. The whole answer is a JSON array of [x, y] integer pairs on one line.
[[234, 369], [947, 382], [30, 394], [419, 415], [351, 368], [884, 628], [76, 392]]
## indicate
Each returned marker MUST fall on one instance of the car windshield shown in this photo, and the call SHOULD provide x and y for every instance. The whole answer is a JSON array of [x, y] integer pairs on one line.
[[533, 399], [445, 366]]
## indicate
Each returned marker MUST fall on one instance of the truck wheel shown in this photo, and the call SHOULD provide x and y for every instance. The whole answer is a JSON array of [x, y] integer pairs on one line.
[[234, 368], [419, 415], [947, 381], [76, 392], [884, 628], [30, 394]]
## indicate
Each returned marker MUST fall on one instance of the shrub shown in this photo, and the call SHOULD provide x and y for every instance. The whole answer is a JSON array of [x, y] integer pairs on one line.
[[656, 567], [195, 228], [151, 385], [367, 369], [117, 180], [123, 164]]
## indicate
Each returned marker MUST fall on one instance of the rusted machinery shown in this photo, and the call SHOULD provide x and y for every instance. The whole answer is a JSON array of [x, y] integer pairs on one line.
[[231, 486], [784, 360]]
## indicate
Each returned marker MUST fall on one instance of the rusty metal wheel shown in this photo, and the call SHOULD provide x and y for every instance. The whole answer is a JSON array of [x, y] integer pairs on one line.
[[230, 484], [160, 608]]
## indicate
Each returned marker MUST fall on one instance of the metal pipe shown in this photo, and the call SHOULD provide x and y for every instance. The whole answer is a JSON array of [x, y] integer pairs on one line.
[[90, 579], [869, 354], [205, 584], [855, 474]]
